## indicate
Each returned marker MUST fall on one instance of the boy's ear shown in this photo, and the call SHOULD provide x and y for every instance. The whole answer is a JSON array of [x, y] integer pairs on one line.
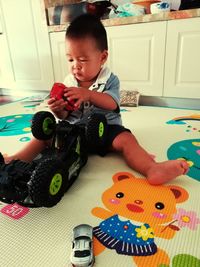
[[104, 56]]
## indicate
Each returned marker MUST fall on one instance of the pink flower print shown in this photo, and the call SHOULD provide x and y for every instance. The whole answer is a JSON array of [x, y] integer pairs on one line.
[[187, 219]]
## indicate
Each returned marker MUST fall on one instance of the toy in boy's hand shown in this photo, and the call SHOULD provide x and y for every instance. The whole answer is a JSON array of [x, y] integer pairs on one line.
[[57, 92]]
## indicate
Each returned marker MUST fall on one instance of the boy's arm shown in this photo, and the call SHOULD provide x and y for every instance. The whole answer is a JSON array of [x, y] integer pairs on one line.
[[102, 100], [110, 97]]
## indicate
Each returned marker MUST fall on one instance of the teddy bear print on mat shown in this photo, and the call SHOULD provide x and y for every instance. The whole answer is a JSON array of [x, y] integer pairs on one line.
[[136, 213]]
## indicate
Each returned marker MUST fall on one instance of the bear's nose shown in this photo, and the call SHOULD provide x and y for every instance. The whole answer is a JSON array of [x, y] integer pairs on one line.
[[139, 202]]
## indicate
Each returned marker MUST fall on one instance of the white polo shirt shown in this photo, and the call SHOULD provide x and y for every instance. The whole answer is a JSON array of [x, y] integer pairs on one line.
[[106, 82]]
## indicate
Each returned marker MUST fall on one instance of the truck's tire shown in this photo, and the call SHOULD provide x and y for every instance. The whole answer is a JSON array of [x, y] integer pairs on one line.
[[96, 131], [1, 159], [43, 125], [48, 183]]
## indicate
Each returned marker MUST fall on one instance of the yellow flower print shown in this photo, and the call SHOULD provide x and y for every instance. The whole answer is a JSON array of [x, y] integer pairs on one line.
[[144, 232]]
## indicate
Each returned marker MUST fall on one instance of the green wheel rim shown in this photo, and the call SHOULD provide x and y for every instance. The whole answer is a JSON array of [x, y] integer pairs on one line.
[[55, 184], [101, 129], [45, 127]]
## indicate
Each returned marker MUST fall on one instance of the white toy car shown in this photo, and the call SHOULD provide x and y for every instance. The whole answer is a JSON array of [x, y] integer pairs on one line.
[[82, 246]]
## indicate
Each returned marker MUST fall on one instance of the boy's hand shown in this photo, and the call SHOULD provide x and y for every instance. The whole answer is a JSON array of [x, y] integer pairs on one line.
[[58, 108], [78, 94], [57, 93], [56, 105]]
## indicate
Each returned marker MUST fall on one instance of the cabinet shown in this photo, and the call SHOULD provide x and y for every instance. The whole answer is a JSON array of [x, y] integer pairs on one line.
[[24, 46], [137, 56], [5, 62], [59, 59], [182, 61], [158, 58]]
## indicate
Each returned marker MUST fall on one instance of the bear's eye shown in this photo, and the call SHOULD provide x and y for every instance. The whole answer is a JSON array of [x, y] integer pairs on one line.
[[159, 205], [119, 195]]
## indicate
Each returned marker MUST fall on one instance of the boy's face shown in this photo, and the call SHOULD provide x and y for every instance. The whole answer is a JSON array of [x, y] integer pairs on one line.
[[85, 59]]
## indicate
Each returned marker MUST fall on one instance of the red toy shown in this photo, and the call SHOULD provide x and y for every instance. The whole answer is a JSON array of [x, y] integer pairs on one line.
[[57, 92]]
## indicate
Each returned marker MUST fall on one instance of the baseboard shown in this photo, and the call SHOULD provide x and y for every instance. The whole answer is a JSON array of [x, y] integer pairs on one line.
[[24, 93], [172, 102]]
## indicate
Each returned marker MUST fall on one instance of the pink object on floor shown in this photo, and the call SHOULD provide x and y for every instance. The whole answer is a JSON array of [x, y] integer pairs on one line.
[[15, 211]]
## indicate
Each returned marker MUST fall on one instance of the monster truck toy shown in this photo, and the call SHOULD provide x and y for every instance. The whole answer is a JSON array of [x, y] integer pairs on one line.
[[43, 182]]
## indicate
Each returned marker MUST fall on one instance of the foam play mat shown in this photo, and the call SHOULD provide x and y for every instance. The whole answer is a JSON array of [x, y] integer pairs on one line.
[[134, 223]]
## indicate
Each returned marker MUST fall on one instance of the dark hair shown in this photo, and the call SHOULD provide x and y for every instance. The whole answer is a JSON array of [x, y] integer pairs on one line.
[[88, 25]]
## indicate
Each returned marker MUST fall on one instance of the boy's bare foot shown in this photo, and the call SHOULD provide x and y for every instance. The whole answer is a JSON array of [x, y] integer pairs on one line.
[[164, 172], [7, 158]]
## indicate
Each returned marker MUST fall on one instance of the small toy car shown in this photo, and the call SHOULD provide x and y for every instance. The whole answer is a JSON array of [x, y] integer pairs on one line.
[[82, 246], [57, 92], [43, 182]]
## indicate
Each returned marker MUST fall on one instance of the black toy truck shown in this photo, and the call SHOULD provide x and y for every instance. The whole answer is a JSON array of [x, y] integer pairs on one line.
[[43, 182]]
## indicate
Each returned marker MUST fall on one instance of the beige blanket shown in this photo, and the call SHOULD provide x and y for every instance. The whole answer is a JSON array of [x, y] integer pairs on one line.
[[166, 224]]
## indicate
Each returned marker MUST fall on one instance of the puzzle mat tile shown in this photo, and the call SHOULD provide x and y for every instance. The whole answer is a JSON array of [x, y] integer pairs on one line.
[[162, 221]]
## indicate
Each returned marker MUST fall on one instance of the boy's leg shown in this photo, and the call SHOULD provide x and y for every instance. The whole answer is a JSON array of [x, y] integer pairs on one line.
[[29, 152], [138, 159]]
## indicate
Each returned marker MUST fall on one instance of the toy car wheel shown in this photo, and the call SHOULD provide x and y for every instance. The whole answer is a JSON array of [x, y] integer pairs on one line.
[[1, 159], [96, 131], [43, 125], [48, 183]]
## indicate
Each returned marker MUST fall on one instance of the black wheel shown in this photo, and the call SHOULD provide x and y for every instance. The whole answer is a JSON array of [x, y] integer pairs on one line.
[[43, 125], [96, 131], [1, 159], [48, 183]]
